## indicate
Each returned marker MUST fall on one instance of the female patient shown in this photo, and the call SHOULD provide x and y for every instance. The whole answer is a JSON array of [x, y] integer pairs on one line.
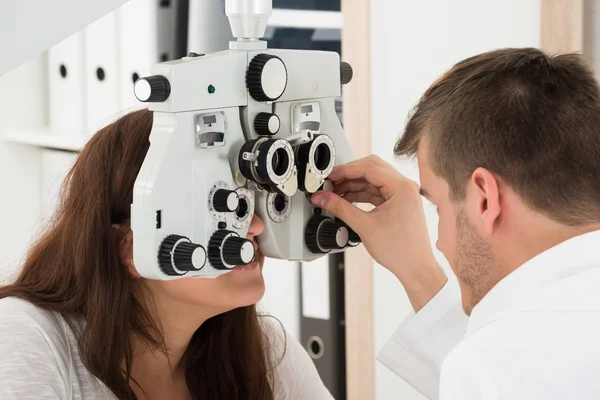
[[80, 322]]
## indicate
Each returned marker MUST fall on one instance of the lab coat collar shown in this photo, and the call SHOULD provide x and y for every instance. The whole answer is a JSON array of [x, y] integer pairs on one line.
[[527, 288]]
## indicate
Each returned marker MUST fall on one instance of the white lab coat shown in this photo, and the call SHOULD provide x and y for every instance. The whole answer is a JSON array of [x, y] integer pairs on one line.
[[535, 335]]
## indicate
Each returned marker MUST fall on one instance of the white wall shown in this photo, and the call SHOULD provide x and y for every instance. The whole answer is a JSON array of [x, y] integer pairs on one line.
[[412, 44], [23, 105]]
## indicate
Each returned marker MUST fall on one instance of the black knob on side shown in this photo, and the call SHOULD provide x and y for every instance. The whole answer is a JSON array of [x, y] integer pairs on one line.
[[225, 200], [166, 256], [266, 77], [238, 251], [226, 250], [311, 234], [266, 124], [353, 238], [152, 89], [333, 235], [189, 256], [346, 72]]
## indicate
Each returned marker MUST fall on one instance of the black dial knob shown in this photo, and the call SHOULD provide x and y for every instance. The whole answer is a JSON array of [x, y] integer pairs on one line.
[[238, 251], [225, 200], [266, 77], [266, 124], [227, 249], [332, 235], [311, 234], [353, 238], [189, 256], [154, 88], [346, 72], [177, 255]]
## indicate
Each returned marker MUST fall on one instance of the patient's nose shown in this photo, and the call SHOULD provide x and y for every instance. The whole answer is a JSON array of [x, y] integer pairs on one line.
[[257, 226]]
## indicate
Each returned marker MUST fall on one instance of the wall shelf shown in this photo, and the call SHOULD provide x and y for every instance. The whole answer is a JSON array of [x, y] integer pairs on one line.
[[305, 19], [45, 138]]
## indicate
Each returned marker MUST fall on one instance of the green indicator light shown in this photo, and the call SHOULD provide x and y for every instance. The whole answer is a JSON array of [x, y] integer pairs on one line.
[[211, 89]]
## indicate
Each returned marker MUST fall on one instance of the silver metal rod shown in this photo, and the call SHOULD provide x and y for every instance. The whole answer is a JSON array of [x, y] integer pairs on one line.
[[299, 138]]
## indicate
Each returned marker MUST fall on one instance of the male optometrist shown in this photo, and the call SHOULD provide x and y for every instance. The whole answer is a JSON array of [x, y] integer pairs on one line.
[[508, 148]]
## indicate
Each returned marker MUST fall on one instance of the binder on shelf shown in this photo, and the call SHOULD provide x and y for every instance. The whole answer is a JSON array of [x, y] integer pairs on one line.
[[55, 166], [322, 324], [66, 81], [209, 29], [102, 101], [147, 35]]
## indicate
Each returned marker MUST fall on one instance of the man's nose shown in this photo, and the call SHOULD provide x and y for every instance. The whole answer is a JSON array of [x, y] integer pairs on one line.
[[257, 226]]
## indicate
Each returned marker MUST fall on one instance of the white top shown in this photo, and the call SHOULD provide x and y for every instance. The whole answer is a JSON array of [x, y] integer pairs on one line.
[[535, 335], [39, 359]]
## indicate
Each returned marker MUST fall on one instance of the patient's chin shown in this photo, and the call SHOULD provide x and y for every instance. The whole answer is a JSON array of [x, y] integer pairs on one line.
[[250, 292], [245, 284]]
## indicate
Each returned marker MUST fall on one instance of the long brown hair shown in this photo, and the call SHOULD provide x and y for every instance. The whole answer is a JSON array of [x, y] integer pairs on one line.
[[75, 269]]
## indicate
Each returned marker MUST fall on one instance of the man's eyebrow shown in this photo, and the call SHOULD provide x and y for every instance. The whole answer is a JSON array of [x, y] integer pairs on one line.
[[423, 193]]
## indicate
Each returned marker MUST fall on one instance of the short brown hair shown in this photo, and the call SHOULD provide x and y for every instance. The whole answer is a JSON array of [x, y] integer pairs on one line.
[[530, 118]]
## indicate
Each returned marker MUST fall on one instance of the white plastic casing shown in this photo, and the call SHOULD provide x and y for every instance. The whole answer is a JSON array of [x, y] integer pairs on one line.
[[178, 174]]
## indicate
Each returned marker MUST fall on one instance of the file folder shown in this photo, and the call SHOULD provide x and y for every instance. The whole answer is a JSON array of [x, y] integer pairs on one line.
[[66, 84], [102, 100], [147, 32], [209, 29], [322, 324]]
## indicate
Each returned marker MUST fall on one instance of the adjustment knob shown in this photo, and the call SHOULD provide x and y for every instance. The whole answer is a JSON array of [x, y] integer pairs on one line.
[[227, 249], [225, 200], [189, 256], [266, 124], [154, 88], [346, 72], [311, 234], [177, 255], [353, 238], [266, 77], [238, 251], [332, 235]]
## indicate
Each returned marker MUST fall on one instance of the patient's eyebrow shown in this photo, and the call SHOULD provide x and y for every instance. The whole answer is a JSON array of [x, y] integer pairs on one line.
[[423, 193]]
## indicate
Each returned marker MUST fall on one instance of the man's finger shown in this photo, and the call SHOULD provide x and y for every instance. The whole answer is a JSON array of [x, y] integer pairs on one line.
[[356, 186], [372, 173], [342, 209], [364, 197], [376, 160]]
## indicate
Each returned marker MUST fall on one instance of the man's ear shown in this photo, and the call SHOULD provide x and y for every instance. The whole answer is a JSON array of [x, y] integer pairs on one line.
[[487, 189], [124, 236]]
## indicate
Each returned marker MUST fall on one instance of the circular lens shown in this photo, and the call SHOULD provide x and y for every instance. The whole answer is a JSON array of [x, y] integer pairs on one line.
[[280, 203], [242, 209], [280, 162], [322, 156]]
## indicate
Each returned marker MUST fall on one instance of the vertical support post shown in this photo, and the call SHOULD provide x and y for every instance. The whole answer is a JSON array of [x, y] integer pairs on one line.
[[562, 26], [360, 342]]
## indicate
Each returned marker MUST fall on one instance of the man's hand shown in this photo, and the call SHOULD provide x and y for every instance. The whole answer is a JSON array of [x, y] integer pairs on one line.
[[395, 231]]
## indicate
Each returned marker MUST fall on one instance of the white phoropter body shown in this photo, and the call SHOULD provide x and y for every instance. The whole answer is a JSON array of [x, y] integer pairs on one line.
[[243, 131]]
